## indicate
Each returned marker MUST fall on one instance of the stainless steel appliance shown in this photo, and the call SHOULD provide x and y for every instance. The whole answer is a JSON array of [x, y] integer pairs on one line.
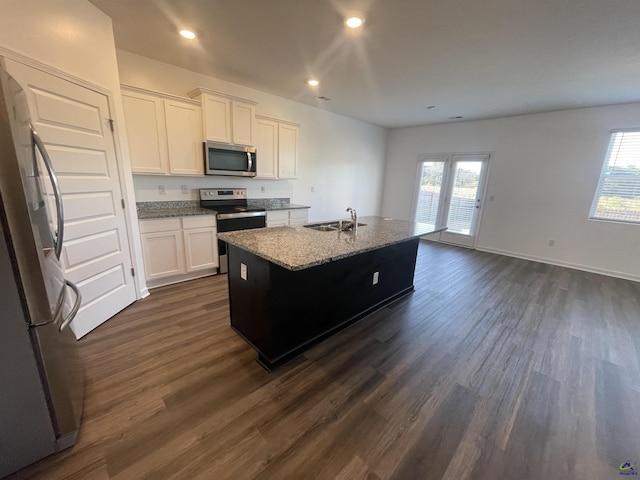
[[223, 159], [41, 379], [233, 213]]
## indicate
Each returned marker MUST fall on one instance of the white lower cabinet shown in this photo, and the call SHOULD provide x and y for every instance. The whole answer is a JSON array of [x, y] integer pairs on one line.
[[282, 218], [178, 249]]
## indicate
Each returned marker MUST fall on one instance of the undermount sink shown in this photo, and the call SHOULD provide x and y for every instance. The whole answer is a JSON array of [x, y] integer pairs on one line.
[[344, 225]]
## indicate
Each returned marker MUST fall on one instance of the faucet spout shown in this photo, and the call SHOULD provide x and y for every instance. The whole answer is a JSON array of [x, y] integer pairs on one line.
[[354, 218]]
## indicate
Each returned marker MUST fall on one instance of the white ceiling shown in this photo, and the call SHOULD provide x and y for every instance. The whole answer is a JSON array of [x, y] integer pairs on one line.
[[475, 58]]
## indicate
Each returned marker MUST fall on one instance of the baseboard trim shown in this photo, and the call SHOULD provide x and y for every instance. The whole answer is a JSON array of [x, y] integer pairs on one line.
[[576, 266]]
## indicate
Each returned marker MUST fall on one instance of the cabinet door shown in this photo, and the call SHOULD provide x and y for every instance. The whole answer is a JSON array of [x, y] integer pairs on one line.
[[243, 123], [278, 218], [184, 138], [163, 254], [267, 148], [146, 132], [201, 248], [287, 150], [217, 118], [298, 217]]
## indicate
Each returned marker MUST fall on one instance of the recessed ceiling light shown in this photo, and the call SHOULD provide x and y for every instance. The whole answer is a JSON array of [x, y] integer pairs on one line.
[[354, 22], [457, 117], [322, 97], [313, 82], [431, 107], [187, 34]]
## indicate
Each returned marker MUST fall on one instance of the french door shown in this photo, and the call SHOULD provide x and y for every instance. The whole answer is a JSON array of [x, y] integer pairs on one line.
[[449, 192]]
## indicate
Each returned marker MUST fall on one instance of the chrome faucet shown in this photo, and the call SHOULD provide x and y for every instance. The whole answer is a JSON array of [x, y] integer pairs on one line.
[[354, 218]]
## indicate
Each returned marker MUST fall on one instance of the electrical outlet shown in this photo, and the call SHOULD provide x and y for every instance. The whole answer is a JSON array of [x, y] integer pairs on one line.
[[185, 189], [263, 189], [492, 198], [375, 277], [162, 190], [243, 271], [552, 243]]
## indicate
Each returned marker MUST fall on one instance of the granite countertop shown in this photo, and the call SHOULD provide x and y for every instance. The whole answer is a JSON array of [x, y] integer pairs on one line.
[[148, 210], [284, 206], [186, 208], [296, 247]]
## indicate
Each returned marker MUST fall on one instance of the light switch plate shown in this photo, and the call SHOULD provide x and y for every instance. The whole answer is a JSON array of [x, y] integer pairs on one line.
[[375, 277], [243, 271]]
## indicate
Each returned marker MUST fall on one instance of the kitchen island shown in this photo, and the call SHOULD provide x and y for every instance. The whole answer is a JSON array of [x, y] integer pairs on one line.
[[291, 287]]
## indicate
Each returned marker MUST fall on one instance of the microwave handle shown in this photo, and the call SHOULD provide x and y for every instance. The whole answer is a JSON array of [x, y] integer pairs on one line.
[[250, 163]]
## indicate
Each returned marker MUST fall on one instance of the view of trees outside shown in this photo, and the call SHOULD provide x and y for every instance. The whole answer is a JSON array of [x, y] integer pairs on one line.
[[620, 191], [465, 186]]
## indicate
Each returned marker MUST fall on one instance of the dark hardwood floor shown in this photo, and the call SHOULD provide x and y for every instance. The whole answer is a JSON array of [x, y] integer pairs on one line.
[[494, 368]]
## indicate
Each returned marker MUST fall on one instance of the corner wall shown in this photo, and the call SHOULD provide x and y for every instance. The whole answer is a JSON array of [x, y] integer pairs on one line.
[[342, 159], [544, 171]]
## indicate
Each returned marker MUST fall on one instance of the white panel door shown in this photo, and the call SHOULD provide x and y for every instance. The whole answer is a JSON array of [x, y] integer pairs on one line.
[[73, 122]]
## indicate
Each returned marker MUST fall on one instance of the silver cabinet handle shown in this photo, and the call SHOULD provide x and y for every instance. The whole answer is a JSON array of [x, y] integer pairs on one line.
[[76, 306], [56, 190], [250, 159]]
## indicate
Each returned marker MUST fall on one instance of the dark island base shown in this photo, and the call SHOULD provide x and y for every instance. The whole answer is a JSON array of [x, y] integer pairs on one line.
[[281, 313]]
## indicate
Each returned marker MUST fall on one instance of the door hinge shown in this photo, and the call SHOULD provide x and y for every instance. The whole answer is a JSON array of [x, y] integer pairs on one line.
[[133, 272], [122, 201], [110, 121]]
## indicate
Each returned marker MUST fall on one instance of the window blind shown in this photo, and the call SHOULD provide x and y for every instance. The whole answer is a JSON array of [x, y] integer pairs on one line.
[[617, 196]]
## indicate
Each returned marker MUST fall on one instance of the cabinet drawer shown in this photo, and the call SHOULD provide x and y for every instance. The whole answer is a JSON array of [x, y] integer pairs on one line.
[[160, 225], [200, 221]]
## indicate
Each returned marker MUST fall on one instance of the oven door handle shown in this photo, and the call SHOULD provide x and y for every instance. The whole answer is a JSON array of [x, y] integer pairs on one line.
[[227, 216]]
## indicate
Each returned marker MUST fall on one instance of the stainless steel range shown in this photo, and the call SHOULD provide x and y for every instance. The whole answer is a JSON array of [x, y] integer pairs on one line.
[[233, 213]]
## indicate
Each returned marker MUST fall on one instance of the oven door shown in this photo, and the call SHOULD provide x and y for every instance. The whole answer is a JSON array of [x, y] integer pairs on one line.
[[236, 221]]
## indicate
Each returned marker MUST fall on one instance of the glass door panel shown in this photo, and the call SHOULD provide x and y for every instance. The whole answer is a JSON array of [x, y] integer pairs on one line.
[[466, 179], [429, 192]]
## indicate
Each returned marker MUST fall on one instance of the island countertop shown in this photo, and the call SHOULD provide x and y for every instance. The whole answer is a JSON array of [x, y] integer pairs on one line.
[[297, 247]]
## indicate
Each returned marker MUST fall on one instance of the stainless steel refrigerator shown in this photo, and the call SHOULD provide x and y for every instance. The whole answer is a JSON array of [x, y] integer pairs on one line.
[[41, 378]]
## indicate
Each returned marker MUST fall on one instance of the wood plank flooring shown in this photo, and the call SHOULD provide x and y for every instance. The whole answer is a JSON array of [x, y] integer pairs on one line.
[[494, 368]]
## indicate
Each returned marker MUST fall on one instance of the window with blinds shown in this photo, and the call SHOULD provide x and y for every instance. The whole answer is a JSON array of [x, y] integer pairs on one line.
[[618, 193]]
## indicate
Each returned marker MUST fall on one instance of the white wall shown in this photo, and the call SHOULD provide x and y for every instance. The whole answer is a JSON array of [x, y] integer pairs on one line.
[[74, 38], [341, 158], [544, 172]]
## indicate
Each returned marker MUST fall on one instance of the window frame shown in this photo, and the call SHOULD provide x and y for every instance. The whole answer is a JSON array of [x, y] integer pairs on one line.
[[601, 179]]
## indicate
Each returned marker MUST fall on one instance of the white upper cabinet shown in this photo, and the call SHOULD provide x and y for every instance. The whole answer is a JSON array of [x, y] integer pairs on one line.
[[266, 148], [164, 133], [217, 118], [242, 116], [287, 150], [227, 119], [146, 131], [184, 137], [277, 148]]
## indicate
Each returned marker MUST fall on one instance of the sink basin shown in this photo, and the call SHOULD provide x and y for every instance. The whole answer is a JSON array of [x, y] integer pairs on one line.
[[333, 226]]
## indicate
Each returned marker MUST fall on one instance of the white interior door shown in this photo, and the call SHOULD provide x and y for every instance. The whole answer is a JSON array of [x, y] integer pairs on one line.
[[74, 123], [450, 192]]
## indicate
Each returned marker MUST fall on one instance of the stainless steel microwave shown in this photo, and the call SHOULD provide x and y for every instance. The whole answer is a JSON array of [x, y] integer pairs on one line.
[[223, 159]]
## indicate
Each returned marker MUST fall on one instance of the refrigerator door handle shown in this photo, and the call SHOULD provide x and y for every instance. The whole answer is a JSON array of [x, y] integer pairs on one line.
[[56, 190], [76, 306], [57, 313]]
